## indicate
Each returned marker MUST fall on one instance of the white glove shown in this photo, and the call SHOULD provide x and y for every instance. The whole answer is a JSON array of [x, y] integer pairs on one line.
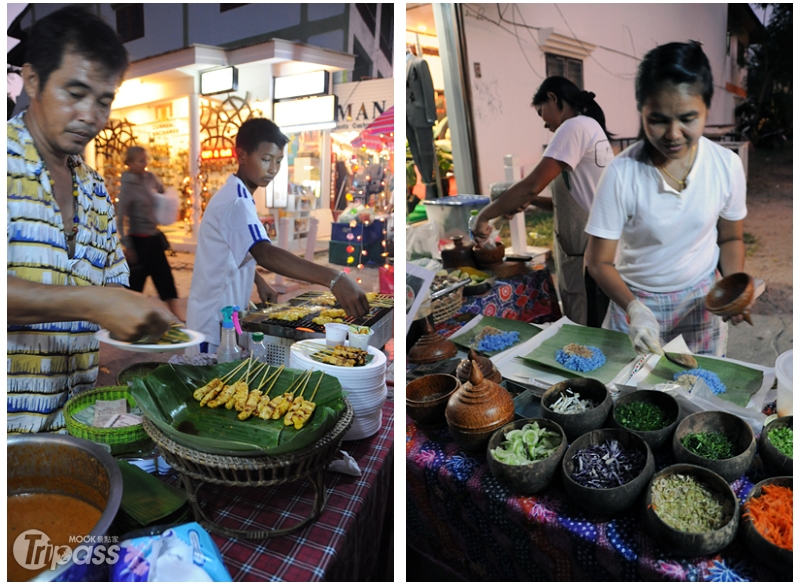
[[643, 329]]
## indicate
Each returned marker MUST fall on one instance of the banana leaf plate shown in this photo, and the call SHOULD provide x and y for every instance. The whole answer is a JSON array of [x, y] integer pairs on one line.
[[740, 381], [165, 396], [615, 346], [525, 330]]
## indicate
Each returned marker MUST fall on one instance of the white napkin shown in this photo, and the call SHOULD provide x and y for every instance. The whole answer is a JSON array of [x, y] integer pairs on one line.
[[347, 465]]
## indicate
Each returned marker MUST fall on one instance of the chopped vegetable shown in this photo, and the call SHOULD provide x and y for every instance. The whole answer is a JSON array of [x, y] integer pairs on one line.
[[711, 445], [771, 513], [607, 465], [641, 416], [526, 445], [580, 358], [688, 505], [783, 439], [571, 402]]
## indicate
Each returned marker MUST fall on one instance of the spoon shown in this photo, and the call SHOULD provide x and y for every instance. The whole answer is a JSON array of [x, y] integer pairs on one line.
[[681, 359]]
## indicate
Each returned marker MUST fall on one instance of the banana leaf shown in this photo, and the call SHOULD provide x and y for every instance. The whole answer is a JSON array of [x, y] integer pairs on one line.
[[740, 381], [525, 330], [615, 346], [165, 396]]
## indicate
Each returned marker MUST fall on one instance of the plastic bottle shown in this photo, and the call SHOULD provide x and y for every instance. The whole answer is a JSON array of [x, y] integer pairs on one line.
[[473, 218], [229, 350], [258, 351]]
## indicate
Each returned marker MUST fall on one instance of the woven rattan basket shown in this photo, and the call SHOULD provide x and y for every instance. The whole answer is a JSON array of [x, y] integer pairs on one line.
[[121, 439], [197, 468], [447, 306]]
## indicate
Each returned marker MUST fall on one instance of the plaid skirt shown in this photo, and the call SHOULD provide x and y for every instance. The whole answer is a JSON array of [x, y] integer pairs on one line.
[[680, 312]]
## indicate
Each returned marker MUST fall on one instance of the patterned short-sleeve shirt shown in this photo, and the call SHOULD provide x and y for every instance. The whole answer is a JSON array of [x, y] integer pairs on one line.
[[47, 362]]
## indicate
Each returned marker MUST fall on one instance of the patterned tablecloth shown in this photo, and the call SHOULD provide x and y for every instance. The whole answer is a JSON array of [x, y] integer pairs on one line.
[[341, 545], [459, 515], [529, 297]]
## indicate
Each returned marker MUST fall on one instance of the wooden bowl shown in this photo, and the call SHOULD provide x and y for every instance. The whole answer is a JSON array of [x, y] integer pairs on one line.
[[738, 431], [664, 401], [534, 476], [579, 423], [606, 502], [775, 557], [731, 295], [426, 399], [687, 543], [775, 462], [488, 257]]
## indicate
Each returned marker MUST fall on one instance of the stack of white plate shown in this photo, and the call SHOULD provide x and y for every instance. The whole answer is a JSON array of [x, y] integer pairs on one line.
[[365, 386]]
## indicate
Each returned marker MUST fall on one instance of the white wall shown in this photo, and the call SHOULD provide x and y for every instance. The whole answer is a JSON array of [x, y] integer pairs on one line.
[[505, 122]]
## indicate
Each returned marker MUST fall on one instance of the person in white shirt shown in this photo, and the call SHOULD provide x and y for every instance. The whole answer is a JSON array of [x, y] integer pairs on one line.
[[571, 165], [668, 211], [232, 240]]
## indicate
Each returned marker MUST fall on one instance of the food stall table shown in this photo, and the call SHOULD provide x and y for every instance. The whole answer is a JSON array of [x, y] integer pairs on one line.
[[342, 544], [459, 515]]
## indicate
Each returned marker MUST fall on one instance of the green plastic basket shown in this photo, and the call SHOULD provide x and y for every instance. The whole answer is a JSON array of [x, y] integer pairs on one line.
[[122, 439]]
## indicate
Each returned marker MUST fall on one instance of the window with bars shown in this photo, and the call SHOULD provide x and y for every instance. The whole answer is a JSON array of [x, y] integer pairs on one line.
[[362, 68], [368, 13], [130, 22], [572, 69], [387, 30]]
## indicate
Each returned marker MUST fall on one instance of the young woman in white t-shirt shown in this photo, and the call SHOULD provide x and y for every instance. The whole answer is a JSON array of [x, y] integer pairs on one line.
[[668, 211], [571, 165]]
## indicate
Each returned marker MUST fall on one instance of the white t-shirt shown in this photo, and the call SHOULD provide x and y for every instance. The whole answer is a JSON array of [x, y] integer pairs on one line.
[[581, 143], [224, 269], [667, 239]]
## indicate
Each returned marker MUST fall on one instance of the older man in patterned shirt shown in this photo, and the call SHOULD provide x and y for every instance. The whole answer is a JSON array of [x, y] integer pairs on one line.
[[64, 257]]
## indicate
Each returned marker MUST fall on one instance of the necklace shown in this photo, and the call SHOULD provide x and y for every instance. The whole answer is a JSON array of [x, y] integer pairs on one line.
[[74, 232], [681, 182]]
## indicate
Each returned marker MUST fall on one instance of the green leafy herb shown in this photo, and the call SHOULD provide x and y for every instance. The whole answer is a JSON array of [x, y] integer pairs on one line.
[[711, 445], [783, 439], [641, 416], [526, 445]]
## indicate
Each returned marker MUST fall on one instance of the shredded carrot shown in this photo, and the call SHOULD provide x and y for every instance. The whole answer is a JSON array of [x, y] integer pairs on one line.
[[771, 513]]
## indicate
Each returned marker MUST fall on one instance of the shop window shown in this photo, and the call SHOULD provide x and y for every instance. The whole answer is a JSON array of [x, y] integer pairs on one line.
[[362, 69], [572, 69], [226, 7], [368, 12], [130, 22], [387, 30]]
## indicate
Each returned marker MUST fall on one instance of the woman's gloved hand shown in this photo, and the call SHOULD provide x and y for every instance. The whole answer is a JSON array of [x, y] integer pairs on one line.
[[643, 330]]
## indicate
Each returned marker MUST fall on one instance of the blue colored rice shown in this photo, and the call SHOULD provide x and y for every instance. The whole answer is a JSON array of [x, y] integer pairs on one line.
[[710, 378], [579, 363], [498, 342]]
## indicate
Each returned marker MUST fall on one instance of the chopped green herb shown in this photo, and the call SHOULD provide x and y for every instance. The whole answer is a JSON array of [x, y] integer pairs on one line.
[[688, 505], [711, 445], [783, 439], [641, 416]]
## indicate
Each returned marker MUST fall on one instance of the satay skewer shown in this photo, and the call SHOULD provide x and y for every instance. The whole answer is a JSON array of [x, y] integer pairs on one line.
[[296, 402], [228, 394], [303, 414], [285, 401], [203, 391]]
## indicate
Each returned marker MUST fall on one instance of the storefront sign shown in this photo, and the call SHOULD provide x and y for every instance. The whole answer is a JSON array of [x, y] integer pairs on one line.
[[306, 114], [302, 85], [216, 153], [219, 80], [361, 102]]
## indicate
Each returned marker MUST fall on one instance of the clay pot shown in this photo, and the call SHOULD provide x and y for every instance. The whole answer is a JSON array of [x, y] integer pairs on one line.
[[457, 254], [478, 409], [731, 295], [431, 347], [488, 257], [485, 365], [426, 399]]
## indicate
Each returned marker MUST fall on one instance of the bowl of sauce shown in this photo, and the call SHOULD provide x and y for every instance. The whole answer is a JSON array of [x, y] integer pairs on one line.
[[62, 496]]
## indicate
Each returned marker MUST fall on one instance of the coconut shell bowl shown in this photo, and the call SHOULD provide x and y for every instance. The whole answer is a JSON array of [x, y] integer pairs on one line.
[[663, 401], [426, 399], [476, 410], [775, 462], [682, 542], [488, 257], [735, 430], [731, 296], [606, 502], [579, 423], [762, 549], [528, 478]]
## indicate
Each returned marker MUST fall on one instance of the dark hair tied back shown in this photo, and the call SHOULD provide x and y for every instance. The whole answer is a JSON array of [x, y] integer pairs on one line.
[[675, 63], [580, 100]]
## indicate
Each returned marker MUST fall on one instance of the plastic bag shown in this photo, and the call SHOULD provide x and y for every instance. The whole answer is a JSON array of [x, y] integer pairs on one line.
[[182, 553], [166, 206]]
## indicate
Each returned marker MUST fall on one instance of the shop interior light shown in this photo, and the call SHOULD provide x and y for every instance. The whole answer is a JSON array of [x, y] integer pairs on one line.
[[304, 84], [219, 80]]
